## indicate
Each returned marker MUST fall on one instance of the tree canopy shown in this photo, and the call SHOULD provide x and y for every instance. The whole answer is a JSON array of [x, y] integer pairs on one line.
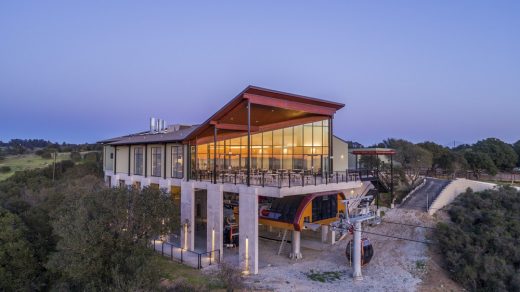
[[503, 155], [480, 244]]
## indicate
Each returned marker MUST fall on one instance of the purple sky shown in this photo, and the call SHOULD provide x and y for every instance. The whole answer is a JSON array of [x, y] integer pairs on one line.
[[419, 70]]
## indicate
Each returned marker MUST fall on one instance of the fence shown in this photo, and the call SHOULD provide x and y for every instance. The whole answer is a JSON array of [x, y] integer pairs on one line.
[[194, 259], [284, 178]]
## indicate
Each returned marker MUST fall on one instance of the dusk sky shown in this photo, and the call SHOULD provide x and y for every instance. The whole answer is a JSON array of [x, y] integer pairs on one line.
[[419, 70]]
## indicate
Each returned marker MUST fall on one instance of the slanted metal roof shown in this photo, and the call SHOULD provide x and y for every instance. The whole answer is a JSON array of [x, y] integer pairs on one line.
[[147, 137]]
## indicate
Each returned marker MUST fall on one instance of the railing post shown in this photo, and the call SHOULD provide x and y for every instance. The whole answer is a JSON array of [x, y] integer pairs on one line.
[[324, 175], [171, 252], [182, 258], [162, 248], [303, 180], [315, 179], [289, 179], [235, 177], [210, 257], [337, 177], [263, 178]]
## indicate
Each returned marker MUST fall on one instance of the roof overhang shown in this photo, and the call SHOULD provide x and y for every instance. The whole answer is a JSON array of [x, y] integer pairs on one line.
[[374, 151], [270, 110]]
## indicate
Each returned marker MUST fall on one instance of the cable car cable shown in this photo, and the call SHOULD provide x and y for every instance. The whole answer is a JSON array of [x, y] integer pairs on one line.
[[406, 224]]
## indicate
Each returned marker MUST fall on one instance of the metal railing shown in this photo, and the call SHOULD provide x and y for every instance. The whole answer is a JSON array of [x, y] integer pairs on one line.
[[284, 178], [194, 259]]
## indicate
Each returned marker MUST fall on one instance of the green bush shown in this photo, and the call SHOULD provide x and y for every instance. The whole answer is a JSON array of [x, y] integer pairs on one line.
[[5, 169], [480, 244]]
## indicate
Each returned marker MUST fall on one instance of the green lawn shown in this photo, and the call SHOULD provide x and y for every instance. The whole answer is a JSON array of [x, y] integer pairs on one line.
[[28, 161], [172, 270]]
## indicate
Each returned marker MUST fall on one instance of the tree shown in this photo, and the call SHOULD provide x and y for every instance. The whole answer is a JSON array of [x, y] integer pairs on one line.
[[501, 153], [516, 146], [480, 162], [370, 161], [480, 244], [75, 156], [16, 254], [104, 237], [413, 158], [440, 154]]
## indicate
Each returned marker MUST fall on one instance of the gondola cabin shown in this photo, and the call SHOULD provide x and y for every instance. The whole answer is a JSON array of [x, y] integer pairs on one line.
[[303, 211]]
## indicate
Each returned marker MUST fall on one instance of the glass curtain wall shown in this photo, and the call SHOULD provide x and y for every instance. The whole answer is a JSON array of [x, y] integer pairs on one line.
[[302, 148]]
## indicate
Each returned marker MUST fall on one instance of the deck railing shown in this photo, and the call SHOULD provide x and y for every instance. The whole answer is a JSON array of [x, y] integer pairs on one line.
[[284, 178]]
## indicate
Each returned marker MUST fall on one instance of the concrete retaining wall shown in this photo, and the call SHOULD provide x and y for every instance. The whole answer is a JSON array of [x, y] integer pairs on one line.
[[454, 189]]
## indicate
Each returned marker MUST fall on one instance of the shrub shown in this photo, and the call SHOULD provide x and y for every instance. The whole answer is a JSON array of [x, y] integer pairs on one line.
[[5, 169], [75, 156], [481, 243], [230, 276]]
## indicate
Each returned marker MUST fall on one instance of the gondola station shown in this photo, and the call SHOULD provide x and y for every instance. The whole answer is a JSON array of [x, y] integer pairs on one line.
[[266, 166]]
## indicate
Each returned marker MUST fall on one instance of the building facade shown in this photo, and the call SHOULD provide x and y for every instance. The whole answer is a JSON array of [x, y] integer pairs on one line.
[[261, 144]]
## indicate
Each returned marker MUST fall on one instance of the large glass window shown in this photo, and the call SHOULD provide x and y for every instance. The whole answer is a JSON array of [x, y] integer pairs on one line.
[[156, 161], [177, 163], [138, 161], [298, 148]]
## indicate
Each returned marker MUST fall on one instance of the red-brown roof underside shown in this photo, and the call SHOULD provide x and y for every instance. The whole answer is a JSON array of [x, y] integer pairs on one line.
[[269, 110]]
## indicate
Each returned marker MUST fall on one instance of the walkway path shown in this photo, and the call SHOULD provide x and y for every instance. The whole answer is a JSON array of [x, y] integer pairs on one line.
[[424, 196]]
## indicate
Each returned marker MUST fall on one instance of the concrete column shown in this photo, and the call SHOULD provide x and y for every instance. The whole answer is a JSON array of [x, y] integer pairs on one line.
[[332, 237], [188, 215], [295, 254], [248, 229], [215, 218], [324, 233], [357, 252]]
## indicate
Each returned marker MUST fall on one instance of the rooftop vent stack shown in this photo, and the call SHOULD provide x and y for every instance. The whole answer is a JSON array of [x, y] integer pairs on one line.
[[158, 125], [163, 125], [152, 125]]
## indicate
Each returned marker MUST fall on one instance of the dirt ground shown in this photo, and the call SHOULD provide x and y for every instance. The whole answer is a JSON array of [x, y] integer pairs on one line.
[[397, 265]]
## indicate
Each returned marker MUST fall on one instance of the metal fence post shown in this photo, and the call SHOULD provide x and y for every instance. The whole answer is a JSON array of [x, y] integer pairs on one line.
[[171, 252]]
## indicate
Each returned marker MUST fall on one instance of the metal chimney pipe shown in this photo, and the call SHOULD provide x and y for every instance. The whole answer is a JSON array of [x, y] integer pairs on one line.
[[152, 124]]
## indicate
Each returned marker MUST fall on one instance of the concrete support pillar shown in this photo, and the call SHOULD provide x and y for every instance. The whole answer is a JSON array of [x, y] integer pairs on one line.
[[188, 215], [332, 237], [296, 253], [324, 233], [248, 229], [215, 219], [357, 252]]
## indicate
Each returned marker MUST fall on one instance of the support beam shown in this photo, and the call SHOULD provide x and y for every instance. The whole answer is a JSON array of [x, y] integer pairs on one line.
[[248, 143], [145, 160], [331, 146], [357, 252], [164, 162], [391, 180], [215, 220], [129, 150], [248, 218], [296, 253], [188, 161], [215, 155], [324, 233], [188, 215], [115, 159]]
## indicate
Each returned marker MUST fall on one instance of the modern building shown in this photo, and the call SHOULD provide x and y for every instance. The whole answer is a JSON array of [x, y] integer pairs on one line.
[[261, 146]]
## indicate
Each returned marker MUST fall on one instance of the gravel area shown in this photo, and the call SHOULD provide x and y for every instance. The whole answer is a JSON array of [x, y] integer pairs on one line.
[[397, 265]]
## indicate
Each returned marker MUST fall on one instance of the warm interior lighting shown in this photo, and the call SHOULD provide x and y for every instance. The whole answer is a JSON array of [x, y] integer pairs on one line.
[[212, 243], [186, 236], [247, 256]]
